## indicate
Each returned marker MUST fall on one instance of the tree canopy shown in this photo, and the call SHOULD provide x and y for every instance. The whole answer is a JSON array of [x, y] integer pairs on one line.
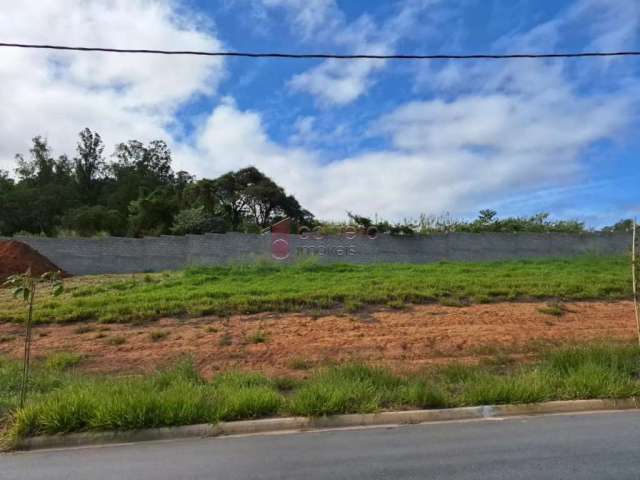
[[136, 192]]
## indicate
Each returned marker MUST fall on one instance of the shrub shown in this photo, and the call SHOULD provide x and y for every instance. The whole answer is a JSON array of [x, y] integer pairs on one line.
[[197, 221], [87, 221]]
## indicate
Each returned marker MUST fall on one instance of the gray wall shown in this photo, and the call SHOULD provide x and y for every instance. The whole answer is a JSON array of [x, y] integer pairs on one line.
[[81, 256]]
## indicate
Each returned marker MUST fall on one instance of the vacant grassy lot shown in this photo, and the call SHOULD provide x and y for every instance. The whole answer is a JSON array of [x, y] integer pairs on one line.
[[63, 400], [270, 287]]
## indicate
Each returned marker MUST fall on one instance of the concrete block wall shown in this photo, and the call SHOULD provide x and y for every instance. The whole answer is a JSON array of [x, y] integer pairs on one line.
[[83, 256]]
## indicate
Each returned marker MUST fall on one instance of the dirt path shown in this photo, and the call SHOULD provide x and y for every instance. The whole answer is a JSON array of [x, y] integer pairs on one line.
[[292, 343]]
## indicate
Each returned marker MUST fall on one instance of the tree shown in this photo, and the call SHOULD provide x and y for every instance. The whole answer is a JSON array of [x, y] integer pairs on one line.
[[42, 169], [44, 192], [24, 287], [152, 214], [136, 191], [251, 195], [6, 183], [89, 165], [197, 221], [88, 220], [138, 170], [203, 193], [621, 226]]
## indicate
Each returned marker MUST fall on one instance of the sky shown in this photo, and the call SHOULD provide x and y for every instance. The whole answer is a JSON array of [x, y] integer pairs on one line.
[[380, 138]]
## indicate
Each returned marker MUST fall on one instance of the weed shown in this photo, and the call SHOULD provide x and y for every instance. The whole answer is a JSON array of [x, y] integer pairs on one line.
[[555, 309], [353, 306], [82, 329], [300, 364], [225, 340], [158, 335], [396, 304], [258, 337], [115, 341], [63, 360]]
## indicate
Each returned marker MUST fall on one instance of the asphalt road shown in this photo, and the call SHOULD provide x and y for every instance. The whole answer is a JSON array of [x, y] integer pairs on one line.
[[603, 445]]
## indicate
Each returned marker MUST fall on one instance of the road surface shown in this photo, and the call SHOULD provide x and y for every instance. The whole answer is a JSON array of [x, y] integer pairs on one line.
[[588, 446]]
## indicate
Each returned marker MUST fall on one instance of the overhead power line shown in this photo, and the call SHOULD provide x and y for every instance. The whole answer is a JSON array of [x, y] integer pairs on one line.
[[325, 55]]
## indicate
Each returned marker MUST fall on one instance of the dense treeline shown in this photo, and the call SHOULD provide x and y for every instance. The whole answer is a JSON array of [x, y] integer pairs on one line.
[[486, 222], [135, 193]]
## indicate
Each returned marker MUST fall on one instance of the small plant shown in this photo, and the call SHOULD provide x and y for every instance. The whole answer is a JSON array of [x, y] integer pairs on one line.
[[555, 309], [353, 306], [63, 361], [24, 287], [258, 337], [82, 329], [452, 302], [300, 364], [396, 304], [115, 341], [158, 335], [225, 340], [212, 330]]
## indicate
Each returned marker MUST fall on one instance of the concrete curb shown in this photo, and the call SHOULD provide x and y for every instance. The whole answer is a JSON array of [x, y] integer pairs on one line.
[[297, 424]]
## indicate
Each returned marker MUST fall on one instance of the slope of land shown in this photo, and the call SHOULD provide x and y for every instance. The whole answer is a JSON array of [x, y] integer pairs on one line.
[[292, 344], [244, 289]]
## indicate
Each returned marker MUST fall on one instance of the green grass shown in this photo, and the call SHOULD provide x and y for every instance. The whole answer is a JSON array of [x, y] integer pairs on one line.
[[158, 335], [62, 400], [273, 287], [555, 309], [258, 337]]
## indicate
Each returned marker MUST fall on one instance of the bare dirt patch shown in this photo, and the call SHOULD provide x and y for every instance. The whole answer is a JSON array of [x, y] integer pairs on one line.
[[17, 257], [289, 344]]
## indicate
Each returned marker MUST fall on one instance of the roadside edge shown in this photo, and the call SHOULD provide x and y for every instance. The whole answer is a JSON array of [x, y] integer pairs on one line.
[[293, 424]]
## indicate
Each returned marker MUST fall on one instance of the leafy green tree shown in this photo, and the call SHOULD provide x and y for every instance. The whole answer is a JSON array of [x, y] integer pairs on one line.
[[44, 192], [248, 194], [88, 220], [152, 214], [204, 193], [89, 166], [197, 221], [621, 226], [138, 170]]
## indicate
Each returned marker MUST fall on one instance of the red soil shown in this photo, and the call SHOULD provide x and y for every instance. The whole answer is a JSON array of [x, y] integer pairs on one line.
[[17, 257], [403, 340]]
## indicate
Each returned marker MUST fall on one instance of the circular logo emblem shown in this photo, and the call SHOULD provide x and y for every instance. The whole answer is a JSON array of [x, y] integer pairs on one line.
[[280, 249]]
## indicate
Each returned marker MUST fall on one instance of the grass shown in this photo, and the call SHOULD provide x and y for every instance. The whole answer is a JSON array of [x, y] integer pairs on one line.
[[158, 335], [262, 287], [63, 400], [554, 309], [258, 337], [116, 341]]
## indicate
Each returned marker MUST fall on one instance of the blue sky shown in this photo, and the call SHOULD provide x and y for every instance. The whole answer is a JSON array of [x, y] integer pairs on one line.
[[396, 139]]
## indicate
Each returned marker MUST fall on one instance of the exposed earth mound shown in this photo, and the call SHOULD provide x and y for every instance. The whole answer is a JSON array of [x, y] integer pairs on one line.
[[17, 257]]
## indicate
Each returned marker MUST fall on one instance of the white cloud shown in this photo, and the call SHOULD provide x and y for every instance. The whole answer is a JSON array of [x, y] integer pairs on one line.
[[121, 96], [339, 82], [482, 132], [451, 156], [310, 17], [505, 130]]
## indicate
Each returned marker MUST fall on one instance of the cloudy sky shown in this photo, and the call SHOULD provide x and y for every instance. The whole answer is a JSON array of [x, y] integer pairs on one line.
[[394, 139]]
